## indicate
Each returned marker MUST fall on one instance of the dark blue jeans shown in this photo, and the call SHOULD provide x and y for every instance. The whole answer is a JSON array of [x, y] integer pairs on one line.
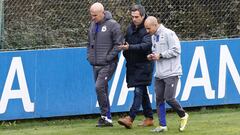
[[141, 97]]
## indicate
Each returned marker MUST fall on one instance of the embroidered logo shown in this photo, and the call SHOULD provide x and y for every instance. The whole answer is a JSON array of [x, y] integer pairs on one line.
[[104, 28]]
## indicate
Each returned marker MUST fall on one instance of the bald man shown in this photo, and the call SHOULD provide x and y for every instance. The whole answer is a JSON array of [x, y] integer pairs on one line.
[[166, 52], [104, 37]]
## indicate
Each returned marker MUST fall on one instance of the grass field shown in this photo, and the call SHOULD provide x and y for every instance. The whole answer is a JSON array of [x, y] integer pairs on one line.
[[221, 121]]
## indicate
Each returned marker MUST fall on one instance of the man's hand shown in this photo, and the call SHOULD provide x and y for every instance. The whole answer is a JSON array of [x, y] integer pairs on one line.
[[149, 57], [123, 46], [153, 56]]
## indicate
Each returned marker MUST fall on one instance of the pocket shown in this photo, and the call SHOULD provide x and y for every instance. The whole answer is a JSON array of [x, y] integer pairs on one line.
[[163, 45], [171, 80]]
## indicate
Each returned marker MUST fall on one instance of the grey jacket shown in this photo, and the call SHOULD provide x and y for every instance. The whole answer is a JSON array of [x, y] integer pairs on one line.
[[103, 39], [166, 43]]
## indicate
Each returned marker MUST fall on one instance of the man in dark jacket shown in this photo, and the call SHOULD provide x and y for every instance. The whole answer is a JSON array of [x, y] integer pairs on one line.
[[102, 53], [139, 69]]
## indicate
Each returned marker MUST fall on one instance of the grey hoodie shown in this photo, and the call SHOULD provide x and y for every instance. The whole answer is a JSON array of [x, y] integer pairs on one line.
[[166, 43], [103, 39]]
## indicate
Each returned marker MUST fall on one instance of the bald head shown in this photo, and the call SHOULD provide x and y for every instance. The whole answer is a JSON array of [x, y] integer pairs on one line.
[[97, 12], [151, 20], [151, 24], [97, 7]]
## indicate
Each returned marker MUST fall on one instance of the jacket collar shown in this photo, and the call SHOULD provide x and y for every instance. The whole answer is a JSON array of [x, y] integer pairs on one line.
[[160, 28]]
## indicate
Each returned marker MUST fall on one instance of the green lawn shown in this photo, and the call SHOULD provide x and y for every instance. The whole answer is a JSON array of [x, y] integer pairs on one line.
[[223, 121]]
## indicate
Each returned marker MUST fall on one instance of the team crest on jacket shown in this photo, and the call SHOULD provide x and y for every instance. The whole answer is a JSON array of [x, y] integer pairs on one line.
[[104, 28]]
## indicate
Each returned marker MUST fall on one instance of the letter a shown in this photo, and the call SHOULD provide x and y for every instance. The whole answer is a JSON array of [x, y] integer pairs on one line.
[[199, 55], [16, 67]]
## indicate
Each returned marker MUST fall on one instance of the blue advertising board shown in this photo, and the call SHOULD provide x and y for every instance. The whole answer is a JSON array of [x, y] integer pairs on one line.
[[59, 82]]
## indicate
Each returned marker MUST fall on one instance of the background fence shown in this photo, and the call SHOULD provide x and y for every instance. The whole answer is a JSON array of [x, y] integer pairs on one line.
[[35, 24]]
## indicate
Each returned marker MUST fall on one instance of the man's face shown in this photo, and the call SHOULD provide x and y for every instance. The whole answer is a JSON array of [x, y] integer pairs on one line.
[[97, 16], [151, 29], [136, 18]]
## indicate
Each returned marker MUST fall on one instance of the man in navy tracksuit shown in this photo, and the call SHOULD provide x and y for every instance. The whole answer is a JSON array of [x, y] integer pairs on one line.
[[104, 36]]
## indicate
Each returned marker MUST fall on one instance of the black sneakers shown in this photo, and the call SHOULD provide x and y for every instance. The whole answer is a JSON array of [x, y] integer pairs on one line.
[[104, 122]]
